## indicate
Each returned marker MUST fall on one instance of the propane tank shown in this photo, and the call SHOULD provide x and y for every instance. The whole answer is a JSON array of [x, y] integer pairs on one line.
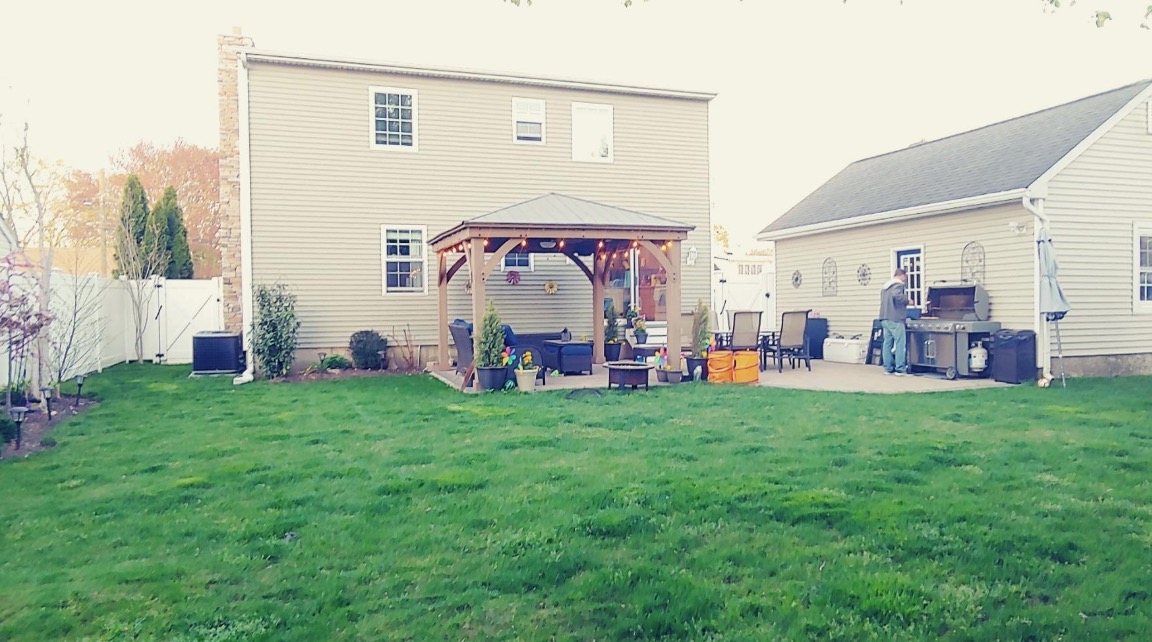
[[977, 358]]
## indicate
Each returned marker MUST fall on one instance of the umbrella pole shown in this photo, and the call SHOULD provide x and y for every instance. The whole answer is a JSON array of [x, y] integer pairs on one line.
[[1060, 355]]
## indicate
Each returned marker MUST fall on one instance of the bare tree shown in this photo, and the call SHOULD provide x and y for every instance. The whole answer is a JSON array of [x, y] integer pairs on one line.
[[27, 186], [137, 262], [77, 330]]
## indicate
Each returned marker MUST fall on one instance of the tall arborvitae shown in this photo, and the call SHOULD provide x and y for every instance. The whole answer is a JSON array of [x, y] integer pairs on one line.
[[133, 222], [169, 214]]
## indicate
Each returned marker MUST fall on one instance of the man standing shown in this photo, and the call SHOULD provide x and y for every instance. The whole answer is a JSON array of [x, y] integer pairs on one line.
[[893, 312]]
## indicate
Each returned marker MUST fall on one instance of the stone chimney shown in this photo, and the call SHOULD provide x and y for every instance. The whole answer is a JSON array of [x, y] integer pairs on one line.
[[228, 237]]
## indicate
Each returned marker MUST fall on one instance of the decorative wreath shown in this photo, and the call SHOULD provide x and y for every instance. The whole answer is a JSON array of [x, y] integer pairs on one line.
[[551, 287], [513, 277]]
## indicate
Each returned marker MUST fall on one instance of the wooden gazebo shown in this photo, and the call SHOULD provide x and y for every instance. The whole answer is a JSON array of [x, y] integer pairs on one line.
[[558, 224]]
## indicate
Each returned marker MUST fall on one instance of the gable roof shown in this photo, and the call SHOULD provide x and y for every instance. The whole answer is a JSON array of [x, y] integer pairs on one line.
[[303, 60], [1004, 157], [568, 211]]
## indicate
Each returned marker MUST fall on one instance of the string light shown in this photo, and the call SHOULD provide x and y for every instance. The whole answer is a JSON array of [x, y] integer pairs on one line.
[[524, 243], [561, 243], [485, 242], [635, 243], [601, 246]]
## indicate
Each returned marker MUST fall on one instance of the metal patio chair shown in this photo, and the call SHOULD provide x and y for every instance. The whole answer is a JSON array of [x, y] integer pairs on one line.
[[745, 330], [790, 343]]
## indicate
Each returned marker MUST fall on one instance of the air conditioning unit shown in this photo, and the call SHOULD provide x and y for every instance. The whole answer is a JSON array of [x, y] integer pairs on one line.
[[217, 352]]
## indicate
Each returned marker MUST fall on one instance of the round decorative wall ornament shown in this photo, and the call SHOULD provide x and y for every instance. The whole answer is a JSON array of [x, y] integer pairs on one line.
[[551, 287], [864, 274], [512, 277], [797, 279]]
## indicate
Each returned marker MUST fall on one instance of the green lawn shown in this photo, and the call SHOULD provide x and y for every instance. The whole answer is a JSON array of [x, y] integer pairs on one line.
[[691, 513]]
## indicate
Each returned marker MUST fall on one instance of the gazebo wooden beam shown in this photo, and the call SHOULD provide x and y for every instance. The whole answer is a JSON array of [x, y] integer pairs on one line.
[[466, 233]]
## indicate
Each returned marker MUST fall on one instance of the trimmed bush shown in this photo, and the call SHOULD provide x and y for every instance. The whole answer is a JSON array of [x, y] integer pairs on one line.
[[491, 339], [274, 332], [365, 347], [7, 430], [701, 334], [336, 362]]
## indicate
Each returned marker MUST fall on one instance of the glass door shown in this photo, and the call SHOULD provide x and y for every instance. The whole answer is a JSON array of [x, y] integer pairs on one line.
[[913, 263]]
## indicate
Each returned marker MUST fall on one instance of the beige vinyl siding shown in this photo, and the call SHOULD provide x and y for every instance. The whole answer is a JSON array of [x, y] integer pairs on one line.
[[1093, 204], [1008, 265], [320, 192]]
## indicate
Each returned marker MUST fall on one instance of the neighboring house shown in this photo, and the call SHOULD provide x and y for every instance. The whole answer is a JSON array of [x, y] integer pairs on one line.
[[967, 206], [335, 174], [8, 242], [743, 280]]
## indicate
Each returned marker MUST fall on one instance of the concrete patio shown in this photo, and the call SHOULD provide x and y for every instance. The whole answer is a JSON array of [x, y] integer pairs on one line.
[[825, 375]]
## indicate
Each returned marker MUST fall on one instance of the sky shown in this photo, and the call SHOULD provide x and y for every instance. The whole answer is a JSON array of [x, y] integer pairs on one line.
[[804, 87]]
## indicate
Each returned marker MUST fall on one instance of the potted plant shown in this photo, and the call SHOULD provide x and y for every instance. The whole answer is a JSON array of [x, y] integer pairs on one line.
[[640, 329], [698, 359], [490, 370], [526, 371], [630, 316], [664, 372], [611, 333]]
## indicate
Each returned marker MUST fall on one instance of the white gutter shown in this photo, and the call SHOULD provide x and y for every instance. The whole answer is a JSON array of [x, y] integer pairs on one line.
[[920, 211], [244, 144], [1035, 205]]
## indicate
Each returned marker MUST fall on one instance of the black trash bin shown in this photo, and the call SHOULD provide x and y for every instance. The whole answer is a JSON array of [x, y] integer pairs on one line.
[[1014, 356]]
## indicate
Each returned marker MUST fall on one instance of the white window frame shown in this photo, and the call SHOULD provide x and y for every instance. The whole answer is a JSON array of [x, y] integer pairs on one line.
[[520, 114], [423, 230], [921, 291], [1139, 230], [372, 91], [504, 267], [595, 107]]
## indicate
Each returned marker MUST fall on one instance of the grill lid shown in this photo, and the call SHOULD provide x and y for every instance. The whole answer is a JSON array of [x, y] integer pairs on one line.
[[962, 301]]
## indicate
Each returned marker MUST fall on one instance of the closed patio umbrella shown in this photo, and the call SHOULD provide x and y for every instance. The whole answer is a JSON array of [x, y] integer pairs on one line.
[[1053, 304]]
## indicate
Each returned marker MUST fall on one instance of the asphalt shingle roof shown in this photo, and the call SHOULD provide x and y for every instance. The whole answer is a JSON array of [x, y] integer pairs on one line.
[[558, 210], [1000, 157]]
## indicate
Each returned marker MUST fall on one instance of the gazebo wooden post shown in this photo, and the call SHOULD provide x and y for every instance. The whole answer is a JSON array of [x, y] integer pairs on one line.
[[442, 360], [475, 251], [598, 268], [673, 307]]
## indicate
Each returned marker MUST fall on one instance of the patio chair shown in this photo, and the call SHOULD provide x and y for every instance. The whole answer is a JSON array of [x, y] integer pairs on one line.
[[722, 337], [791, 342], [745, 330], [462, 337]]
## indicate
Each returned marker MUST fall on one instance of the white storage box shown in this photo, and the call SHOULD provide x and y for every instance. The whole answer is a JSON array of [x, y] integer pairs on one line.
[[845, 350]]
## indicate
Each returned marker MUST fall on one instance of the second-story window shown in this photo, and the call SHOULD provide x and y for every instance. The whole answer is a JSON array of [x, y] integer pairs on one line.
[[592, 133], [394, 117], [528, 120]]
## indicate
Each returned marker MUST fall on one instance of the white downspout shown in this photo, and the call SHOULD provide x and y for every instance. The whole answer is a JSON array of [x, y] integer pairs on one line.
[[1043, 334], [244, 144]]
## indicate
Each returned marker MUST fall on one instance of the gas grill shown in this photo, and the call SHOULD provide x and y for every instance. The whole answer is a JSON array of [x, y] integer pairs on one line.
[[956, 321]]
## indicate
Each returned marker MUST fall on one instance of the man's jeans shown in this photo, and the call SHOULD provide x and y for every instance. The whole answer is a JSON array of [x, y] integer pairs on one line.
[[895, 337]]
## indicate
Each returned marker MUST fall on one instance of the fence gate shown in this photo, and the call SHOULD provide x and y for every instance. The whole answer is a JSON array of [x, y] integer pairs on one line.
[[178, 310]]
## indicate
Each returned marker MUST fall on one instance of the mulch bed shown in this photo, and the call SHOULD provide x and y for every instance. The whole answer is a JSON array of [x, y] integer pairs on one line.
[[36, 425], [350, 373]]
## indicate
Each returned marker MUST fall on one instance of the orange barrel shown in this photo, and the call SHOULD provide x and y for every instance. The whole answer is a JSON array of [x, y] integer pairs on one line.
[[747, 368], [720, 366]]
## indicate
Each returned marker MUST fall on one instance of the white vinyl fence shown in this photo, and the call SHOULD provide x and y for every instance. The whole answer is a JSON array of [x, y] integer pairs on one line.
[[97, 314]]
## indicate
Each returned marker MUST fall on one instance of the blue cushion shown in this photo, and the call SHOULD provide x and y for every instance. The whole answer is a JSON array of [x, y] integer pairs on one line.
[[463, 323], [509, 335], [578, 350]]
